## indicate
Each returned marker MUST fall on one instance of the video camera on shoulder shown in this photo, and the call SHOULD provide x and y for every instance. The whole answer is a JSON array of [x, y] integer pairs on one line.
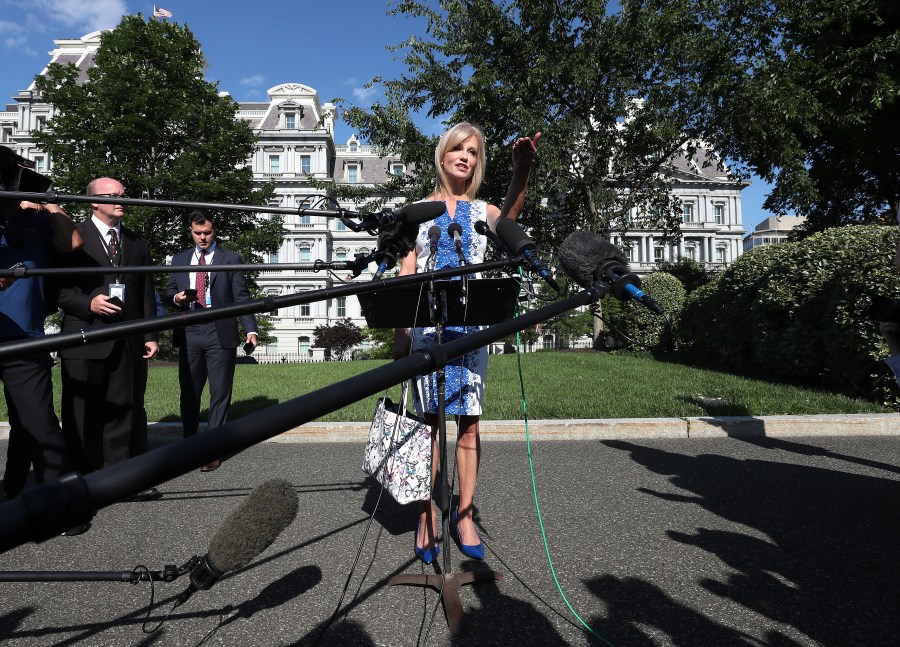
[[16, 174]]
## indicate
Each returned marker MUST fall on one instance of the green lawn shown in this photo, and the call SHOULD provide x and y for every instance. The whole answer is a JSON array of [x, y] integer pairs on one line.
[[558, 385]]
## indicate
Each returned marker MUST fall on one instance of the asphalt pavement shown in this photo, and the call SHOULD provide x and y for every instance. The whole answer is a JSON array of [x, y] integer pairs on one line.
[[691, 541]]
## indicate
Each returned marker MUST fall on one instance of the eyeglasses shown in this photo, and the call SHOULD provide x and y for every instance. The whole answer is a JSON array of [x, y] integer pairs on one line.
[[109, 195]]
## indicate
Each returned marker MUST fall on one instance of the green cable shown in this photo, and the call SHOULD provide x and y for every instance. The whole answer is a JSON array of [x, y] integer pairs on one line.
[[537, 505]]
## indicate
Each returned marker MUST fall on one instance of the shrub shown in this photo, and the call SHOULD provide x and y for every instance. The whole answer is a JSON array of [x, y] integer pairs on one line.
[[636, 325], [799, 311]]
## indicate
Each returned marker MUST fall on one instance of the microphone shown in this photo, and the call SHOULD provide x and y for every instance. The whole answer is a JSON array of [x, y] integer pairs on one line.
[[415, 213], [482, 228], [434, 234], [245, 534], [515, 238], [455, 232], [394, 243], [585, 257]]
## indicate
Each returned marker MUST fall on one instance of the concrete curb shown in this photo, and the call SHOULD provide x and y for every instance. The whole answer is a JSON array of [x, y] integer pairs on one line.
[[623, 428], [864, 424]]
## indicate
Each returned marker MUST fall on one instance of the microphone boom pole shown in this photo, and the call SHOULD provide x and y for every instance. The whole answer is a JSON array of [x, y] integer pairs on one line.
[[48, 343], [45, 510], [56, 198]]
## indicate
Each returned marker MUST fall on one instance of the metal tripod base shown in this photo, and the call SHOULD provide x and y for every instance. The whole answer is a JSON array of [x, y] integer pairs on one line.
[[448, 586]]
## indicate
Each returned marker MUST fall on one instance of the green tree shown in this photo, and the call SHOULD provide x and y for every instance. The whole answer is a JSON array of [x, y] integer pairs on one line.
[[382, 340], [614, 94], [338, 338], [146, 117], [801, 92]]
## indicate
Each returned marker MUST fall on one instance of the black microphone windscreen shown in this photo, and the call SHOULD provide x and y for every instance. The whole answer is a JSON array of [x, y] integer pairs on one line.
[[454, 227], [434, 231], [253, 525], [512, 235], [481, 226], [419, 212], [582, 253]]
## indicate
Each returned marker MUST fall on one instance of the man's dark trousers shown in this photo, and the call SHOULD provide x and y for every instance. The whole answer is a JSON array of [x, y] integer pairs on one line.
[[201, 358]]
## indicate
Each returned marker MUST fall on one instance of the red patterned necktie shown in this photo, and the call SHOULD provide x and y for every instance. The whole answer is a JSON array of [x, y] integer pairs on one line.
[[115, 251], [201, 281]]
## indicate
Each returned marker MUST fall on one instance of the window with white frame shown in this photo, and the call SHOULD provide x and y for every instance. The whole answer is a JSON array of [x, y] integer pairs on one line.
[[305, 254], [341, 226], [306, 164], [303, 346], [274, 164], [341, 306], [273, 257], [340, 254], [271, 349], [40, 164], [6, 134], [687, 211], [396, 168], [658, 254], [40, 122], [352, 173], [305, 310], [690, 252], [630, 250], [720, 254], [305, 220], [290, 120], [718, 213], [353, 147], [548, 342]]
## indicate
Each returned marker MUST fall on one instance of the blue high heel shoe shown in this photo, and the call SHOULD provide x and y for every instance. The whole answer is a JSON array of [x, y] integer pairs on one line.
[[475, 551], [427, 555]]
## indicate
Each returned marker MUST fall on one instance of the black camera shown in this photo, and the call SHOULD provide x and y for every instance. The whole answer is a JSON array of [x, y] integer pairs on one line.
[[16, 174], [885, 309]]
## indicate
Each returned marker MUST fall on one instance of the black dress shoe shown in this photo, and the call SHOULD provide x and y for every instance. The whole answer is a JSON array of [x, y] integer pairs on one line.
[[77, 530], [212, 466], [147, 495]]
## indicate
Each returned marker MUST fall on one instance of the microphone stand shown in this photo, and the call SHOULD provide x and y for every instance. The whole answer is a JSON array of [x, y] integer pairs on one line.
[[47, 509], [447, 584]]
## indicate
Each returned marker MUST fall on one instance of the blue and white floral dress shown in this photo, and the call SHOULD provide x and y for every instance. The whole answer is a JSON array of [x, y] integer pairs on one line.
[[464, 376]]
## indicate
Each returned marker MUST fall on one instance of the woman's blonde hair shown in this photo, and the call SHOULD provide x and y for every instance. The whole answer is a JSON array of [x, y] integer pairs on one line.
[[460, 132]]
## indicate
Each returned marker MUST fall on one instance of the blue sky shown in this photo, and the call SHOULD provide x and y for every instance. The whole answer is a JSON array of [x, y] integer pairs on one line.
[[334, 47]]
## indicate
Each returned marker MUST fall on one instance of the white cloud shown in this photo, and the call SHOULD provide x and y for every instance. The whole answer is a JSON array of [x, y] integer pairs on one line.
[[364, 95], [252, 81], [87, 16], [7, 27]]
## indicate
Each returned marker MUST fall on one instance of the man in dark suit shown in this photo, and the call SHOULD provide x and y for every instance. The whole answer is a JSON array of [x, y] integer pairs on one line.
[[103, 383], [207, 351]]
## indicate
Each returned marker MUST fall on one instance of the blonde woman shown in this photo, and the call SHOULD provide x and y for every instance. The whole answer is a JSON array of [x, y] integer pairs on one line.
[[460, 164]]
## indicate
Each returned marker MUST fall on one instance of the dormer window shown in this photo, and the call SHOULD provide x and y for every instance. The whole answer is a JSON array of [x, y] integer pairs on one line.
[[290, 120], [354, 147]]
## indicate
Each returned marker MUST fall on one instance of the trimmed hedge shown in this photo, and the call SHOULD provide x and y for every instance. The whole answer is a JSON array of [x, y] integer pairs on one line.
[[799, 311], [635, 322]]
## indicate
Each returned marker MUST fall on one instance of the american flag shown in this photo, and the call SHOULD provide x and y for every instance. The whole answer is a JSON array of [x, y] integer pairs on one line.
[[159, 12]]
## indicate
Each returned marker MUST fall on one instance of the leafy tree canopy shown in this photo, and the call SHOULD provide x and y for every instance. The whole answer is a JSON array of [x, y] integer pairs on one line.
[[338, 338], [799, 92], [146, 117]]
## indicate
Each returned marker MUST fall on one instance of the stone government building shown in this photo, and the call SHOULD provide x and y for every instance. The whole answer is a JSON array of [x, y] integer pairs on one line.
[[296, 142]]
